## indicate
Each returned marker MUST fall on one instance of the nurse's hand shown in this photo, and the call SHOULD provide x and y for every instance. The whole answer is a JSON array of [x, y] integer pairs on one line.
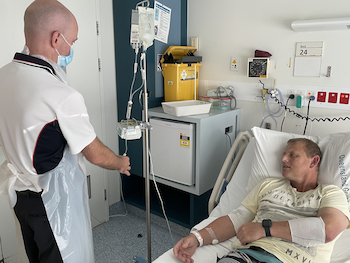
[[185, 248], [99, 154], [124, 165]]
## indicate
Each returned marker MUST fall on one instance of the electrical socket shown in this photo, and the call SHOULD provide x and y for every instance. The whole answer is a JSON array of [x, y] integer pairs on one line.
[[310, 93], [300, 93], [228, 129], [290, 92], [291, 102]]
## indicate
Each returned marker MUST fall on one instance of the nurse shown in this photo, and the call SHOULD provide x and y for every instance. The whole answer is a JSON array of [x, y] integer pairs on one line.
[[44, 133]]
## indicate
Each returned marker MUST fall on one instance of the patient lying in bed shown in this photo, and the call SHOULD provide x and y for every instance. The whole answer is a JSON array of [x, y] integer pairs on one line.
[[289, 219]]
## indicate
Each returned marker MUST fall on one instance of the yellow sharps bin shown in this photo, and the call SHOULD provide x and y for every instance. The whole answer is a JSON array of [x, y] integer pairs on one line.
[[180, 69]]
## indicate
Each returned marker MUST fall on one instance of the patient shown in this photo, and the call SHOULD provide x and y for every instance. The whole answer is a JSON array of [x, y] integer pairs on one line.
[[290, 219]]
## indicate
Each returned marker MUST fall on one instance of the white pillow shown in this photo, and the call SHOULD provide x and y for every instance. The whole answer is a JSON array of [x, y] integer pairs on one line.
[[335, 164], [268, 153]]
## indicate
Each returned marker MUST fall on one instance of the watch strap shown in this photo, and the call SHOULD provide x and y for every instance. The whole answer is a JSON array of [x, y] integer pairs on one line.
[[267, 231], [267, 223]]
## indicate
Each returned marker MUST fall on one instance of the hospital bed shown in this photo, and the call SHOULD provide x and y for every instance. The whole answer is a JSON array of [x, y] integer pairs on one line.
[[255, 156]]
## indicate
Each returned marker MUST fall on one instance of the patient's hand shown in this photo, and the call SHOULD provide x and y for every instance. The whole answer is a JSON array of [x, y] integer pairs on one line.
[[250, 232], [185, 248]]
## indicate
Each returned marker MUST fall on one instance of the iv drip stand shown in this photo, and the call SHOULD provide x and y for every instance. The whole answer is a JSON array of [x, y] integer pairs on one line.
[[146, 159], [146, 156]]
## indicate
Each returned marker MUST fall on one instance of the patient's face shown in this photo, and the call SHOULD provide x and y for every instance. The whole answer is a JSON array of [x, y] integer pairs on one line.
[[295, 162]]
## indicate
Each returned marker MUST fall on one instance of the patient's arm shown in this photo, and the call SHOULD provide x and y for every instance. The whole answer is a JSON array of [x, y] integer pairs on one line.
[[185, 248], [223, 229], [253, 231], [335, 222]]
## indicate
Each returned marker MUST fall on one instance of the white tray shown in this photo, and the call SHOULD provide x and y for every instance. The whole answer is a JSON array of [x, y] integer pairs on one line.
[[186, 107]]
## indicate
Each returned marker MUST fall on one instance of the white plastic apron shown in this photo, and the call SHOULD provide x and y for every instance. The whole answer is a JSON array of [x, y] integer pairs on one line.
[[65, 199]]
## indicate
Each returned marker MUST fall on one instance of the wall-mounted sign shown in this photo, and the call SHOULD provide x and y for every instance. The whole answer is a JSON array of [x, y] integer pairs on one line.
[[309, 49], [308, 59]]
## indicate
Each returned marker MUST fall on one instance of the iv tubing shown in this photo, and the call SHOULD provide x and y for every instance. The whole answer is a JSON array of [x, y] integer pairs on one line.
[[143, 2], [160, 198]]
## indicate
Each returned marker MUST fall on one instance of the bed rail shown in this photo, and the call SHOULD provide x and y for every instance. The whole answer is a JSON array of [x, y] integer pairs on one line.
[[224, 177]]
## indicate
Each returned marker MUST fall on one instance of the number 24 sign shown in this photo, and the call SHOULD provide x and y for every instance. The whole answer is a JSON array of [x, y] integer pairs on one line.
[[309, 49]]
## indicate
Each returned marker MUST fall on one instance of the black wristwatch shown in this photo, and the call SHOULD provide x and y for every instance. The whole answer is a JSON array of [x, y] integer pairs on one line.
[[267, 223]]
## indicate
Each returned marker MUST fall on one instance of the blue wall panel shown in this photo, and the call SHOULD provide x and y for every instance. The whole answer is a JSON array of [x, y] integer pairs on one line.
[[124, 55]]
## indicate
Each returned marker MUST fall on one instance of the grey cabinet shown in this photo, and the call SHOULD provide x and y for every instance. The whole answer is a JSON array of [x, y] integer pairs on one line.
[[214, 133]]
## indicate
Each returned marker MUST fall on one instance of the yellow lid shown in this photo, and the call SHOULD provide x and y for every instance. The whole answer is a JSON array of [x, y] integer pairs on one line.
[[178, 52]]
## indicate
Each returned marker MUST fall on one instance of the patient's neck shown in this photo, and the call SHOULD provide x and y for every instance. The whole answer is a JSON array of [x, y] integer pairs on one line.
[[304, 187]]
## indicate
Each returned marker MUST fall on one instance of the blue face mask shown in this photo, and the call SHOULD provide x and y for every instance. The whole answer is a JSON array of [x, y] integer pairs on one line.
[[63, 61]]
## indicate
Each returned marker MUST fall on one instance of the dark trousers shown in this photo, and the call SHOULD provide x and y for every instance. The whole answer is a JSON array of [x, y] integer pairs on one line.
[[39, 241]]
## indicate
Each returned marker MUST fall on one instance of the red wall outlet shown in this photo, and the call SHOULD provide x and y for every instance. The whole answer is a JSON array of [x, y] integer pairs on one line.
[[333, 97], [321, 96], [344, 98]]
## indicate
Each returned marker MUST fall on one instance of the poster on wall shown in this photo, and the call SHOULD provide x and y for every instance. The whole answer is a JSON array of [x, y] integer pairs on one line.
[[162, 16]]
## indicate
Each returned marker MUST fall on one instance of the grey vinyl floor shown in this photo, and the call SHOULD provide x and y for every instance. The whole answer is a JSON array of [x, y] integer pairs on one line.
[[124, 237]]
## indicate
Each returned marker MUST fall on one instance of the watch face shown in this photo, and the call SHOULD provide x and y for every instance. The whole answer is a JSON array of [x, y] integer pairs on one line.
[[267, 223], [258, 67]]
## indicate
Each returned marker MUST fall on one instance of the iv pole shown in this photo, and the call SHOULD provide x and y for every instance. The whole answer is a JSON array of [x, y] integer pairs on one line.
[[146, 155], [146, 160]]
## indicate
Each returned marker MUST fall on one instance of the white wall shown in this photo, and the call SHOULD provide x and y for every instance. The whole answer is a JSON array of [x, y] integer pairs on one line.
[[228, 28], [108, 81]]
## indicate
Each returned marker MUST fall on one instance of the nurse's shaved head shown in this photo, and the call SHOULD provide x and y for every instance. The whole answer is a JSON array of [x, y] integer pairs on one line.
[[43, 17], [42, 20]]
